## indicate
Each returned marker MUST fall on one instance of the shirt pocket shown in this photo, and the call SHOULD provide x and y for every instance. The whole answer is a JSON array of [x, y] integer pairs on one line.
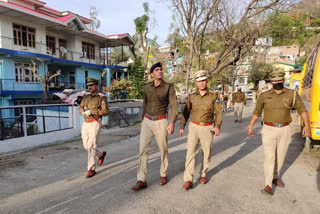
[[206, 106], [287, 102], [162, 98], [268, 103], [195, 105], [94, 103]]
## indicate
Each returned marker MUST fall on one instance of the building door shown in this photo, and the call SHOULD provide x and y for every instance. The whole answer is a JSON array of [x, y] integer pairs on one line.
[[62, 51], [72, 80]]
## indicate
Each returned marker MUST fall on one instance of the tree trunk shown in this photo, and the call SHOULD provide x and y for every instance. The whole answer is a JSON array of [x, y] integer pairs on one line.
[[45, 88], [189, 65]]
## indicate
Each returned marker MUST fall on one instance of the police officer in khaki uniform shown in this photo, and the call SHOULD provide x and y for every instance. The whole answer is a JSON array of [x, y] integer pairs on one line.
[[158, 96], [238, 100], [276, 136], [93, 106], [202, 105]]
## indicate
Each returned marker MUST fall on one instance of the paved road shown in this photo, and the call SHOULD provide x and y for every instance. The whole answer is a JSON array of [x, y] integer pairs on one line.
[[51, 179]]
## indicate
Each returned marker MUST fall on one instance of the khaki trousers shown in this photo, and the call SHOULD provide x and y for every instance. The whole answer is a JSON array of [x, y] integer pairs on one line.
[[229, 104], [238, 108], [150, 129], [89, 135], [275, 142], [198, 135]]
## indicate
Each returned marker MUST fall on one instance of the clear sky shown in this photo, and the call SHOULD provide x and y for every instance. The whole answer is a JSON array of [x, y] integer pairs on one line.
[[117, 16]]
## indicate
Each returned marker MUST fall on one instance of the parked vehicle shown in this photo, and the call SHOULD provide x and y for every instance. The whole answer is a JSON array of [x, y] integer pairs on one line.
[[310, 94]]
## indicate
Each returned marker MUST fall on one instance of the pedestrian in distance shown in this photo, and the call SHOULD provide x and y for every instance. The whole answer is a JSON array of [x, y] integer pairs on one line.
[[239, 101], [276, 135], [202, 106], [229, 104], [93, 106], [225, 102], [158, 96]]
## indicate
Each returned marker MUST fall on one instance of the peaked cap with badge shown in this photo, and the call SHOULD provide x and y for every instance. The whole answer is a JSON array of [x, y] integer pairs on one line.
[[92, 81], [277, 75], [200, 75]]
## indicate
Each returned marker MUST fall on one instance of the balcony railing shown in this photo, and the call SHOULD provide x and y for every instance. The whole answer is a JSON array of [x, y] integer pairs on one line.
[[13, 85], [41, 48]]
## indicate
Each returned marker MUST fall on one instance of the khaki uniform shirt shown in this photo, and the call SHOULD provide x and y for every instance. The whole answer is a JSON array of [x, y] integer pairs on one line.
[[239, 97], [157, 99], [96, 103], [277, 106], [202, 109]]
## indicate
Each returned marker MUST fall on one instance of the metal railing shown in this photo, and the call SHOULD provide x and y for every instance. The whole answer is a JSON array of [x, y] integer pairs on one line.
[[26, 120], [14, 85], [41, 48]]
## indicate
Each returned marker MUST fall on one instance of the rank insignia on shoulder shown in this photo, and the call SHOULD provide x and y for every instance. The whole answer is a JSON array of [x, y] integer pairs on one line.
[[217, 101], [103, 102]]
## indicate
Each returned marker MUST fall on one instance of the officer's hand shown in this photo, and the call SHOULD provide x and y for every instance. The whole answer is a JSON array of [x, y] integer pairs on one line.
[[81, 109], [87, 113], [306, 131], [215, 131], [250, 131], [170, 128], [181, 132]]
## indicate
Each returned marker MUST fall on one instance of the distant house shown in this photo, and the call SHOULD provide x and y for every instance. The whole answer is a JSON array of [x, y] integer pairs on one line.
[[29, 30]]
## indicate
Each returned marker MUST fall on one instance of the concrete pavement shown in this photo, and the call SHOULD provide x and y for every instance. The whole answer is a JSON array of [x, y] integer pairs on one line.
[[51, 179]]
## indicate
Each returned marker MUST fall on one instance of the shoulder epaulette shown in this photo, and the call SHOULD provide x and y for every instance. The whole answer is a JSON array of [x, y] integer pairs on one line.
[[102, 95], [147, 83]]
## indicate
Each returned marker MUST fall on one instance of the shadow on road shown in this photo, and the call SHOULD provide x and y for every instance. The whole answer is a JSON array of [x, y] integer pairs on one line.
[[294, 150], [249, 146]]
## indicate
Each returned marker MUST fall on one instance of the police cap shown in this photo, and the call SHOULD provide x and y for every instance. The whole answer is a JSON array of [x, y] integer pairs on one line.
[[200, 75], [92, 81], [277, 75]]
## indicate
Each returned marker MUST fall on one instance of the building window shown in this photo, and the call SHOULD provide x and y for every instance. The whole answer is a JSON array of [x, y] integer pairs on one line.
[[88, 50], [24, 73], [24, 36], [63, 44], [51, 45]]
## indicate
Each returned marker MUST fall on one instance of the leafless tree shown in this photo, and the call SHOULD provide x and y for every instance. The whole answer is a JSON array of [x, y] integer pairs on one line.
[[234, 24], [194, 16], [45, 78], [239, 29]]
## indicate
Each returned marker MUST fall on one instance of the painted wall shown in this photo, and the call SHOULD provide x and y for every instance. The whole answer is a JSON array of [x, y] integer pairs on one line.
[[8, 76], [25, 143], [74, 43], [132, 113], [92, 72]]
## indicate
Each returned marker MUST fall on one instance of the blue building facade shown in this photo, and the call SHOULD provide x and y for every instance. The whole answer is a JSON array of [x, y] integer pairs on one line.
[[53, 41]]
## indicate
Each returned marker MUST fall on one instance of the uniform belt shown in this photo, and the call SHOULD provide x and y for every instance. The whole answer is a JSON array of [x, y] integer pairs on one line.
[[91, 120], [155, 117], [201, 123], [279, 125]]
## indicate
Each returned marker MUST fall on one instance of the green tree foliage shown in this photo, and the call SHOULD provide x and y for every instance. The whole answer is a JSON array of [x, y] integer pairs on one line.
[[177, 41], [142, 29], [117, 56], [118, 86], [138, 78], [142, 22], [259, 72], [302, 60], [287, 30]]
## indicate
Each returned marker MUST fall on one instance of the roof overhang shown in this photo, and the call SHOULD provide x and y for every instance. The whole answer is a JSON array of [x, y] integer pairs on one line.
[[62, 24]]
